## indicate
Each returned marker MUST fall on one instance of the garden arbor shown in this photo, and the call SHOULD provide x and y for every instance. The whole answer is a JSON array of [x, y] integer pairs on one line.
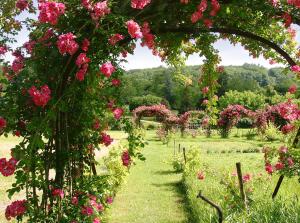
[[61, 91]]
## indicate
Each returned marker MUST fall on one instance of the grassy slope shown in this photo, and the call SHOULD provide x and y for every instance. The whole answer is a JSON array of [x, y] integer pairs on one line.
[[152, 193]]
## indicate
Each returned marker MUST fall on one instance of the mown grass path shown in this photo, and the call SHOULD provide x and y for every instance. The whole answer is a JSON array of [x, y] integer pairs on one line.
[[152, 193]]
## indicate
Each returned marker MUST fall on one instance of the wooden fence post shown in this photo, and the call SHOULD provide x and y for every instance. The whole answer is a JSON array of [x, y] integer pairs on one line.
[[179, 148], [277, 186], [184, 155], [241, 184], [174, 147], [219, 210]]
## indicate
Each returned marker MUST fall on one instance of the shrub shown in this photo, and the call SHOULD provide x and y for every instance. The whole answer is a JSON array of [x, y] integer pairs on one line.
[[272, 132], [178, 163], [150, 127], [147, 100], [249, 99], [245, 123], [251, 150], [229, 117]]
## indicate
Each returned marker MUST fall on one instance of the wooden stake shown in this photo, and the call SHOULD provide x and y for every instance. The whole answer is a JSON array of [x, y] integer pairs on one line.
[[241, 184], [184, 156], [219, 210], [174, 147], [179, 149], [277, 186]]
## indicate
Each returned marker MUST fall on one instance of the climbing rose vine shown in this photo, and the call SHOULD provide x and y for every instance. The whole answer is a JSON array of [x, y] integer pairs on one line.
[[60, 94]]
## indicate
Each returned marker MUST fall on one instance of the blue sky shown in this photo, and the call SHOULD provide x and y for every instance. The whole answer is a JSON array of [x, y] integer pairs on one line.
[[143, 58], [230, 55]]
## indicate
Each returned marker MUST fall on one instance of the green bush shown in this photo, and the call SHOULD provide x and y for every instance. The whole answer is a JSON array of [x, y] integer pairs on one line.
[[178, 163], [245, 123], [151, 127], [272, 133], [146, 100], [249, 99]]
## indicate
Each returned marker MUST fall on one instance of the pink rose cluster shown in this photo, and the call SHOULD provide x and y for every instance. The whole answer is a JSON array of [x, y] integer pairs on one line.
[[109, 200], [288, 110], [148, 37], [40, 97], [205, 90], [202, 7], [246, 178], [184, 1], [282, 115], [126, 159], [107, 69], [287, 19], [85, 45], [90, 209], [160, 110], [96, 124], [66, 44], [231, 115], [29, 46], [18, 62], [200, 175], [58, 193], [50, 11], [2, 123], [134, 29], [118, 112], [3, 49], [82, 61], [113, 40], [22, 4], [285, 161], [98, 10], [82, 64], [296, 69], [292, 89], [8, 167], [106, 139], [15, 209], [295, 3], [139, 4], [116, 82]]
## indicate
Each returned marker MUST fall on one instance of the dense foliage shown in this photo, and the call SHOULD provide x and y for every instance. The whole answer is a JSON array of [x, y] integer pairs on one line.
[[261, 85], [146, 100]]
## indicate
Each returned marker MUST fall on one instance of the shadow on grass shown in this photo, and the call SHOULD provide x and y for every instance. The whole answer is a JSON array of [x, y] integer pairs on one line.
[[178, 187], [165, 172]]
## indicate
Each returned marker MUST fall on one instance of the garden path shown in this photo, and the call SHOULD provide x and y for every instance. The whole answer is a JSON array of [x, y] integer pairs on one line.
[[153, 192]]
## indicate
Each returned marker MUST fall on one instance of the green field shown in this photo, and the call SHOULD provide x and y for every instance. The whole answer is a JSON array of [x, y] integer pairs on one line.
[[155, 193]]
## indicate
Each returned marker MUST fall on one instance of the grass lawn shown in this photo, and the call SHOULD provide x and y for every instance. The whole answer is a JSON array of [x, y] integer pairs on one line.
[[153, 193]]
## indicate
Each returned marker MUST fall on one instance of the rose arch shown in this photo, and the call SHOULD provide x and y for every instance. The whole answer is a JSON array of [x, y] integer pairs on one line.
[[60, 94]]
